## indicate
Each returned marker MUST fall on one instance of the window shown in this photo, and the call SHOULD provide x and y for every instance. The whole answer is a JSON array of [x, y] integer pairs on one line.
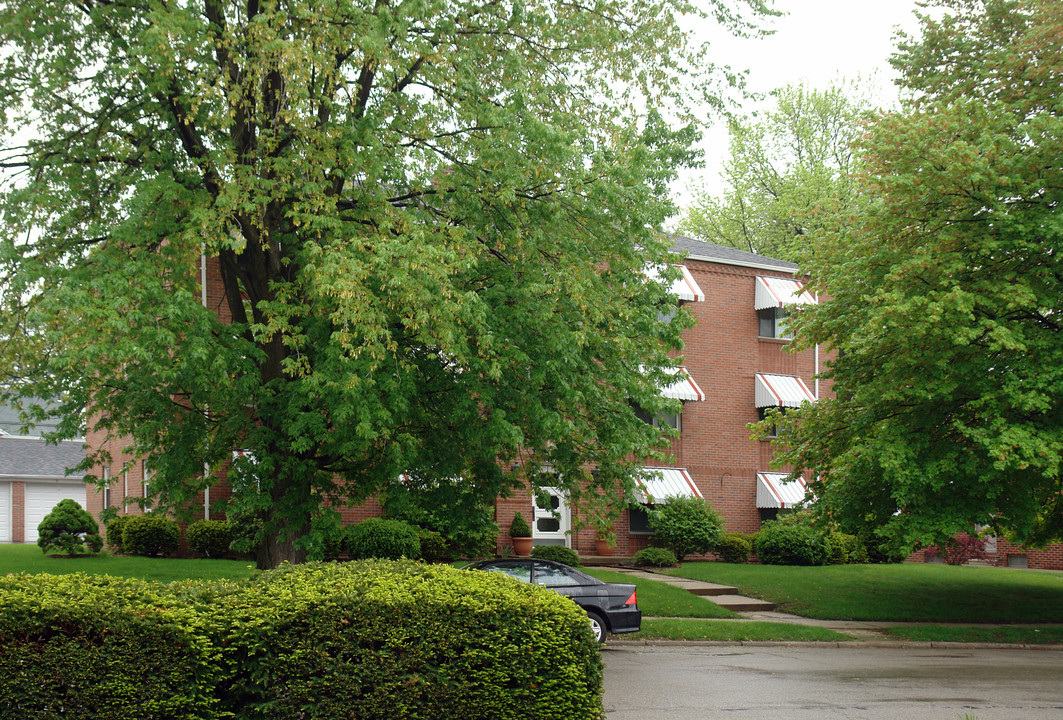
[[107, 488], [772, 323], [146, 484], [552, 577], [672, 420], [775, 429], [638, 519], [520, 571]]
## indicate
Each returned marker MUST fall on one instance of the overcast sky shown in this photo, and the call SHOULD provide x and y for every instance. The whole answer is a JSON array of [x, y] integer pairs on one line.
[[816, 42]]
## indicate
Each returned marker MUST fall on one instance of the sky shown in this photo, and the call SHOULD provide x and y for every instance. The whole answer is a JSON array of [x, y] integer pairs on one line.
[[817, 42]]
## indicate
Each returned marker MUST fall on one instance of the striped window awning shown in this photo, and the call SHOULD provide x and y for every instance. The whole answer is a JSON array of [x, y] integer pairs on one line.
[[684, 388], [777, 292], [685, 288], [774, 492], [781, 391], [657, 484]]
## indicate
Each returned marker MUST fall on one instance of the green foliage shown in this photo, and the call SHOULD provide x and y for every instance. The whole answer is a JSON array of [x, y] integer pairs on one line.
[[382, 538], [519, 528], [69, 529], [323, 640], [84, 647], [734, 547], [946, 293], [791, 544], [115, 527], [790, 171], [845, 548], [434, 547], [557, 553], [209, 538], [454, 510], [654, 557], [427, 226], [685, 526], [247, 530], [150, 535]]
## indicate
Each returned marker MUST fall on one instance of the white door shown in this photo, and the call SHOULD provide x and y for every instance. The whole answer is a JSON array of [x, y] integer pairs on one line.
[[42, 497], [5, 512], [552, 520]]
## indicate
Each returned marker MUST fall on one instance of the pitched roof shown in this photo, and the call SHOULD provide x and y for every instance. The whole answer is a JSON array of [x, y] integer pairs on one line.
[[33, 457], [699, 250]]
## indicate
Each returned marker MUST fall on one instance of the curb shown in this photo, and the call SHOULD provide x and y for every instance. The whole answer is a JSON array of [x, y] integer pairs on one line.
[[853, 644]]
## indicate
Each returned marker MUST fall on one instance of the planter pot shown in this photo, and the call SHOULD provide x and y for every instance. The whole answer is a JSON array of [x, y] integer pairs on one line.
[[602, 547], [522, 546]]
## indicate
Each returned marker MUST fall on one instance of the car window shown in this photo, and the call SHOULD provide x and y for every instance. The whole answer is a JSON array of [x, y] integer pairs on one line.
[[553, 577], [520, 571]]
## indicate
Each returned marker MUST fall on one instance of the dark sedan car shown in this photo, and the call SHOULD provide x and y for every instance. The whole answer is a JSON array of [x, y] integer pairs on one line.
[[611, 607]]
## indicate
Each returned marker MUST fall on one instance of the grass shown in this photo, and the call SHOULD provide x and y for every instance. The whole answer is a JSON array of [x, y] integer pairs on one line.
[[906, 592], [15, 558], [656, 599], [694, 629], [967, 634]]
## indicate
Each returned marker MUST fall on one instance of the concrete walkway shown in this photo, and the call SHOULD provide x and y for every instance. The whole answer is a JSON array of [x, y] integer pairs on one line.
[[872, 632]]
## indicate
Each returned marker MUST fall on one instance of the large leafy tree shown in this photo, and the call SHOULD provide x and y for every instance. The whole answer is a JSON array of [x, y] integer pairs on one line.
[[790, 170], [430, 220], [946, 292]]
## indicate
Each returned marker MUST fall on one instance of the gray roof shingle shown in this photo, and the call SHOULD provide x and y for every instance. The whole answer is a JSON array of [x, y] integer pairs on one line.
[[699, 250], [33, 457]]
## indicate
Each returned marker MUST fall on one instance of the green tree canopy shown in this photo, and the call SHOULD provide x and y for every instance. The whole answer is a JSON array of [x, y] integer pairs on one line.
[[790, 170], [430, 220], [947, 293]]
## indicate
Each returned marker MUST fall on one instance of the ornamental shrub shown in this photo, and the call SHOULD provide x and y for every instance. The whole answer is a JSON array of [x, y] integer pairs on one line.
[[69, 529], [654, 557], [845, 549], [787, 544], [381, 538], [686, 526], [88, 647], [959, 550], [557, 553], [399, 639], [209, 538], [115, 527], [734, 548], [519, 528], [434, 546], [150, 535]]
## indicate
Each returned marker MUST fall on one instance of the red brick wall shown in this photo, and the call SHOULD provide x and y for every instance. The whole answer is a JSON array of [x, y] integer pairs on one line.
[[18, 512]]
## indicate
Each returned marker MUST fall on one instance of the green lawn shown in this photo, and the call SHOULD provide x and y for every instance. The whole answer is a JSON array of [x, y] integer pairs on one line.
[[16, 558], [906, 592], [695, 629], [657, 599], [968, 634]]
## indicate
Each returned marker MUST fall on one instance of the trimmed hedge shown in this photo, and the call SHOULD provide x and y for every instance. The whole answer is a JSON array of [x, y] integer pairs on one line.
[[80, 647], [686, 525], [374, 639], [557, 553], [782, 544], [150, 535], [734, 548], [654, 557], [380, 538], [209, 538], [115, 527]]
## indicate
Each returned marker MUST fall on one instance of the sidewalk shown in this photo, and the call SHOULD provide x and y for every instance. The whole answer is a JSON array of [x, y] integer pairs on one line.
[[871, 633]]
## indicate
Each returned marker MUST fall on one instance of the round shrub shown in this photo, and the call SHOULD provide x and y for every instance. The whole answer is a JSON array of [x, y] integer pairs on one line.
[[686, 526], [434, 546], [380, 538], [557, 553], [781, 544], [845, 549], [400, 639], [654, 557], [115, 527], [734, 548], [150, 535], [209, 538], [69, 529]]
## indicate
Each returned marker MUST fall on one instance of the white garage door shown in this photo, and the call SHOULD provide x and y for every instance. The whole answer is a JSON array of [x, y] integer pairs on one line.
[[42, 497], [5, 512]]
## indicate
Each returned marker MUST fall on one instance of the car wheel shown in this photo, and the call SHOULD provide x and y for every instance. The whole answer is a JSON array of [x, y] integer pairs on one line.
[[597, 625]]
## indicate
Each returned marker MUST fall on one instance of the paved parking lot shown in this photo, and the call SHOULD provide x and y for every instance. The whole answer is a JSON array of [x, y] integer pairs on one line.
[[810, 683]]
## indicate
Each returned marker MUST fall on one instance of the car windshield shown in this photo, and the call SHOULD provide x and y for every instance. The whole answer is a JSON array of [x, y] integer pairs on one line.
[[553, 576]]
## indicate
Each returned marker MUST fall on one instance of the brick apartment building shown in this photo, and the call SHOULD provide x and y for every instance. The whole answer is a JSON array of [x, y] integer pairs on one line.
[[737, 362]]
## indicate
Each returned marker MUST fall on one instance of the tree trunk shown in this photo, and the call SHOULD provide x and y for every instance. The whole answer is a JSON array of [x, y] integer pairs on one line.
[[273, 551]]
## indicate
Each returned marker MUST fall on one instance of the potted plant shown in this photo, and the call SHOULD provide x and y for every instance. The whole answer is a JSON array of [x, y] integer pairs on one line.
[[521, 535], [605, 539]]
